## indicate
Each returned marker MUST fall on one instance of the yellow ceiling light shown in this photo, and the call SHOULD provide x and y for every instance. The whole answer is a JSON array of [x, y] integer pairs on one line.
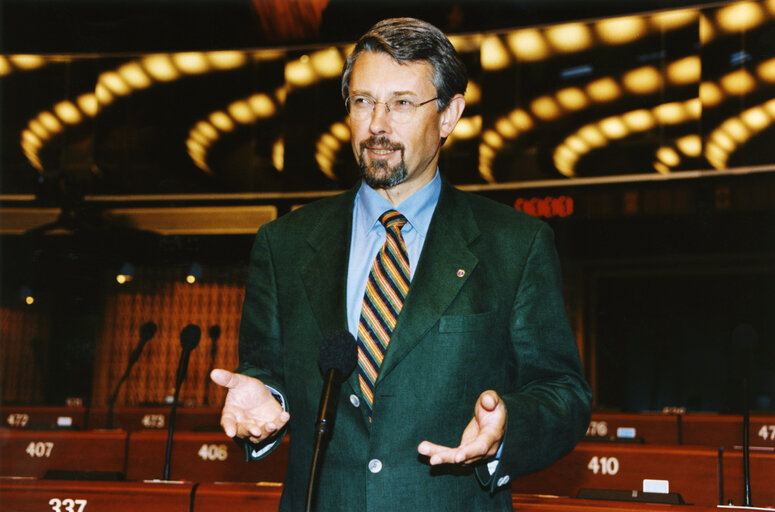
[[521, 120], [241, 112], [685, 71], [736, 129], [769, 107], [222, 121], [603, 90], [27, 62], [494, 55], [578, 144], [299, 73], [723, 141], [545, 108], [492, 139], [621, 30], [340, 131], [192, 63], [206, 129], [716, 156], [693, 108], [738, 82], [278, 154], [506, 128], [38, 129], [468, 127], [134, 75], [740, 16], [572, 98], [670, 113], [613, 127], [707, 30], [710, 94], [639, 120], [661, 168], [756, 119], [770, 6], [327, 63], [67, 112], [262, 105], [5, 66], [528, 45], [672, 20], [88, 104], [473, 93], [645, 80], [160, 67], [592, 136], [103, 94], [668, 156], [571, 37], [226, 59], [690, 145], [565, 160], [462, 44], [50, 121], [115, 83], [31, 139], [766, 70]]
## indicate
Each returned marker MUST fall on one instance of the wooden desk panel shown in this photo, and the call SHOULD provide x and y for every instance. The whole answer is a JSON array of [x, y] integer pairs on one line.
[[200, 457], [157, 418], [37, 417], [762, 465], [691, 471], [526, 503], [33, 452], [32, 495], [237, 497], [652, 428], [727, 430]]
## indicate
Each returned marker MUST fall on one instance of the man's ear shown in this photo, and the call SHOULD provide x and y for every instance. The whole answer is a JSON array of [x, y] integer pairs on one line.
[[451, 115]]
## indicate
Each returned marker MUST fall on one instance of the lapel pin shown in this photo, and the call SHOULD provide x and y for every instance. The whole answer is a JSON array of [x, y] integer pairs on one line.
[[461, 272]]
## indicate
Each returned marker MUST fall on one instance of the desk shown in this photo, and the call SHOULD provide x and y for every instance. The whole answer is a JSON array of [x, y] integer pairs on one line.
[[32, 495], [727, 430], [33, 452], [200, 457], [43, 417], [691, 471], [762, 464], [651, 428], [141, 418]]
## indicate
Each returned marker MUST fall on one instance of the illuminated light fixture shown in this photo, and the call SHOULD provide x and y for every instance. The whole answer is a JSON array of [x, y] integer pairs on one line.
[[690, 145], [506, 128], [723, 141], [241, 112], [592, 135], [770, 6], [115, 83], [613, 127], [740, 16], [710, 94], [685, 71], [31, 139], [769, 107], [565, 160], [88, 104], [340, 131], [325, 164], [194, 273], [577, 144], [672, 20], [299, 73], [222, 121], [766, 70], [262, 105], [26, 295], [468, 127], [465, 43], [278, 154], [5, 66], [68, 112], [693, 108], [38, 129], [736, 129], [27, 62], [670, 113], [661, 168], [198, 137], [125, 274], [192, 63], [707, 31], [486, 151], [326, 148], [521, 120], [738, 82], [645, 80], [327, 63], [545, 108], [226, 59], [668, 156], [494, 55], [134, 75], [473, 93], [756, 119], [160, 67], [639, 120], [571, 37], [195, 147], [528, 45], [716, 156], [603, 90], [492, 139], [572, 98], [621, 30], [103, 94], [207, 130]]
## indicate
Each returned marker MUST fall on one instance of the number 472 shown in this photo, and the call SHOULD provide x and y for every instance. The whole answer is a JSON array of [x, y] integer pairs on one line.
[[767, 432]]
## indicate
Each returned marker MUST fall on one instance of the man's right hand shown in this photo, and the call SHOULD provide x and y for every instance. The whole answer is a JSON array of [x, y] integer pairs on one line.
[[250, 410]]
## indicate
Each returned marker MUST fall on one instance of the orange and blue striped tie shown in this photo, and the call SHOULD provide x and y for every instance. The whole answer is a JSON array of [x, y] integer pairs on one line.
[[386, 289]]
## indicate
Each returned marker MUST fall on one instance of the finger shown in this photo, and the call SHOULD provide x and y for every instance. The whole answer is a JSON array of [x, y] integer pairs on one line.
[[489, 400], [437, 454], [229, 425], [223, 378]]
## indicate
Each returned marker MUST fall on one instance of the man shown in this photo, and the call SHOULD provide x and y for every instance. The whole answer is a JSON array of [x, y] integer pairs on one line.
[[477, 377]]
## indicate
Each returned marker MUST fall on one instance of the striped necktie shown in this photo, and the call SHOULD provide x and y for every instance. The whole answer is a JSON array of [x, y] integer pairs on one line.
[[386, 289]]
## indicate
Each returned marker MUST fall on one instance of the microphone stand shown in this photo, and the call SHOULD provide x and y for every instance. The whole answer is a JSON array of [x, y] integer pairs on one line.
[[170, 430], [321, 432]]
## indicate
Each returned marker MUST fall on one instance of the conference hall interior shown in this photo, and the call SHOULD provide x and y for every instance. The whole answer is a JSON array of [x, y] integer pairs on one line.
[[142, 145]]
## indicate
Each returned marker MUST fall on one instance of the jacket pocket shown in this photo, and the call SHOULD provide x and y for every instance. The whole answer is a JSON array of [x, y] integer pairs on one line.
[[466, 323]]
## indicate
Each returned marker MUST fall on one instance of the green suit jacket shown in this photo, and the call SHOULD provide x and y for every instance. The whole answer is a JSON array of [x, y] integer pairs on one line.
[[499, 324]]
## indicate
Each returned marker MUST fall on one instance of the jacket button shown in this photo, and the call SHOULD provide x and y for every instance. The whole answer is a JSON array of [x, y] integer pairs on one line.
[[355, 400], [375, 465]]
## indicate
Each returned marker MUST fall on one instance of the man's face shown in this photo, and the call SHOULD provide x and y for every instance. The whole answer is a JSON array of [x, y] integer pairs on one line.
[[399, 157]]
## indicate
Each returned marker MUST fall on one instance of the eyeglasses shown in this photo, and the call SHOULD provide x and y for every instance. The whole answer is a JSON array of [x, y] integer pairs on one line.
[[399, 110]]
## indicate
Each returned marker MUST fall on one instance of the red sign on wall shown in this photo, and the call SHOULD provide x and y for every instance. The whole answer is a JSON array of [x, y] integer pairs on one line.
[[546, 207]]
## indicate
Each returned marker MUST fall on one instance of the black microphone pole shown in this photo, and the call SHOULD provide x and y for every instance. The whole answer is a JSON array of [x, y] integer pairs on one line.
[[189, 339], [745, 339], [336, 359], [147, 331]]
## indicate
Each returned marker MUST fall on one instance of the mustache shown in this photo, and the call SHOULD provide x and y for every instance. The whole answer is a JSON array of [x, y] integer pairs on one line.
[[382, 141]]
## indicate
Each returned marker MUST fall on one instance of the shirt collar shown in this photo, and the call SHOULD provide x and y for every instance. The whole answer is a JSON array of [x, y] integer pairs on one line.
[[417, 208]]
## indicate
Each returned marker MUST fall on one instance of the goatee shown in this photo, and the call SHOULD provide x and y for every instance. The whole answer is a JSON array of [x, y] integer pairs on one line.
[[379, 173]]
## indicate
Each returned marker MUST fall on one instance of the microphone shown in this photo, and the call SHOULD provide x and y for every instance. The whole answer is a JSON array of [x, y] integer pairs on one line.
[[336, 360], [189, 339], [744, 340], [147, 331]]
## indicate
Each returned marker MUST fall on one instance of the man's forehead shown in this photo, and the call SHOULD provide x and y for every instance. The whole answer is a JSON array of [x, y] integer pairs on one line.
[[414, 73]]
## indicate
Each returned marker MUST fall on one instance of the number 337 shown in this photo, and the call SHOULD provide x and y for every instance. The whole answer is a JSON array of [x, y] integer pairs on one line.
[[67, 505]]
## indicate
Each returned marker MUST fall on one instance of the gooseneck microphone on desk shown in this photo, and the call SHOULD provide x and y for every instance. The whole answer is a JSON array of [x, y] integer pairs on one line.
[[189, 339], [336, 359], [147, 331]]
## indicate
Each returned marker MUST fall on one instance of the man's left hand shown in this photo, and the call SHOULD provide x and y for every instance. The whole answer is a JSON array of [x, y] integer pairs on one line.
[[481, 438]]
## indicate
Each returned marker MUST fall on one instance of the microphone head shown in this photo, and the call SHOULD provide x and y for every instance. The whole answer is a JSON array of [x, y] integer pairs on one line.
[[339, 352], [147, 331], [214, 332], [189, 336]]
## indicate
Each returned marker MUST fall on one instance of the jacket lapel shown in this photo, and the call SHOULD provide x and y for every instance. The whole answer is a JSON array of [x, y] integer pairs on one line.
[[445, 264]]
